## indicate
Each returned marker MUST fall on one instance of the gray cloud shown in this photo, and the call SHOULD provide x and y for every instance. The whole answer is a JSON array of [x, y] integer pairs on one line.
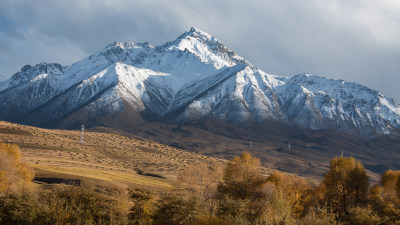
[[352, 40]]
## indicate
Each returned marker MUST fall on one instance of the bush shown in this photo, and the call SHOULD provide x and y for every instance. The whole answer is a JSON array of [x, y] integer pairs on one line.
[[69, 205], [149, 208], [19, 209], [320, 216], [175, 210], [361, 216], [214, 220], [238, 210], [76, 205]]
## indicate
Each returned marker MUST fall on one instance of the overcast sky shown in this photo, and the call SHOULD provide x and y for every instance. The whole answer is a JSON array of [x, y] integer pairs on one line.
[[356, 40]]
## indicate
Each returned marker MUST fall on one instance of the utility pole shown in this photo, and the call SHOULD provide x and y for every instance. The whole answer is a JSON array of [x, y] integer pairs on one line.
[[82, 134]]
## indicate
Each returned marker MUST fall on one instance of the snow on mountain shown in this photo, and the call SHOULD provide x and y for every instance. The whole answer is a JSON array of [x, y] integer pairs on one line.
[[193, 77]]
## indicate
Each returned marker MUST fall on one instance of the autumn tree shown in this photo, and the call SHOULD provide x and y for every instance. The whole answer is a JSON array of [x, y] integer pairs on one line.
[[385, 196], [200, 183], [241, 195], [241, 178], [389, 182], [345, 185], [14, 175], [144, 206], [398, 188], [295, 189], [389, 178]]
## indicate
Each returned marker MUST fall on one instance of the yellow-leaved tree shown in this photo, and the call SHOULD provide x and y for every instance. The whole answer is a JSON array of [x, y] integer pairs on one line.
[[296, 190], [398, 188], [385, 197], [345, 186], [240, 194], [14, 175], [390, 182], [242, 179]]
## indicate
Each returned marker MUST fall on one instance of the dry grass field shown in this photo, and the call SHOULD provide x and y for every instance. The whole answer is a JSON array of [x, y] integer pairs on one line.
[[103, 159]]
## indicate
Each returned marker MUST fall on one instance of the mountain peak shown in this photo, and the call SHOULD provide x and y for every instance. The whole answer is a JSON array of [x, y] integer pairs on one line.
[[198, 34], [28, 72], [127, 45], [205, 46], [196, 31]]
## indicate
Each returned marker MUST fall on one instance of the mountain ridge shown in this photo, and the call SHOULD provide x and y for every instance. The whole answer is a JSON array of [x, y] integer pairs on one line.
[[193, 77]]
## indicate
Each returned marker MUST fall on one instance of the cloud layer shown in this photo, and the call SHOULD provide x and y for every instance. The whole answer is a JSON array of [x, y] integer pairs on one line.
[[352, 40]]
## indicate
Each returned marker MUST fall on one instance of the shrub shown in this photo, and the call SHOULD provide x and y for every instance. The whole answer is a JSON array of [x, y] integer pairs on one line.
[[239, 210], [77, 205], [361, 216], [19, 209], [319, 216], [175, 210]]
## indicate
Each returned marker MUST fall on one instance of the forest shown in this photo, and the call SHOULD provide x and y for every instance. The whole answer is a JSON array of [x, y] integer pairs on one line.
[[236, 194]]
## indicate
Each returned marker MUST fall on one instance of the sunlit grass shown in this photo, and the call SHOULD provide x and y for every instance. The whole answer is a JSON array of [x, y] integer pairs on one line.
[[38, 146], [111, 176]]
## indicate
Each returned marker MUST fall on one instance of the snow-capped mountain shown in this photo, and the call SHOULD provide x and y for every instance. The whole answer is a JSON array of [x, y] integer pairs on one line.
[[193, 77]]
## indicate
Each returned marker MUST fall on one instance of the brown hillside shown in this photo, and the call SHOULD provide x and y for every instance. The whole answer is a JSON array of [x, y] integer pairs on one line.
[[103, 158]]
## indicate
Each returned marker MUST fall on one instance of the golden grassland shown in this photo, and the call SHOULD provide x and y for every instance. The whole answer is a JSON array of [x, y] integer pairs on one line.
[[102, 158]]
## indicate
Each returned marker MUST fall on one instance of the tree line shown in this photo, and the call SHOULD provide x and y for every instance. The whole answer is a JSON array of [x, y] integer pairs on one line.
[[237, 194]]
